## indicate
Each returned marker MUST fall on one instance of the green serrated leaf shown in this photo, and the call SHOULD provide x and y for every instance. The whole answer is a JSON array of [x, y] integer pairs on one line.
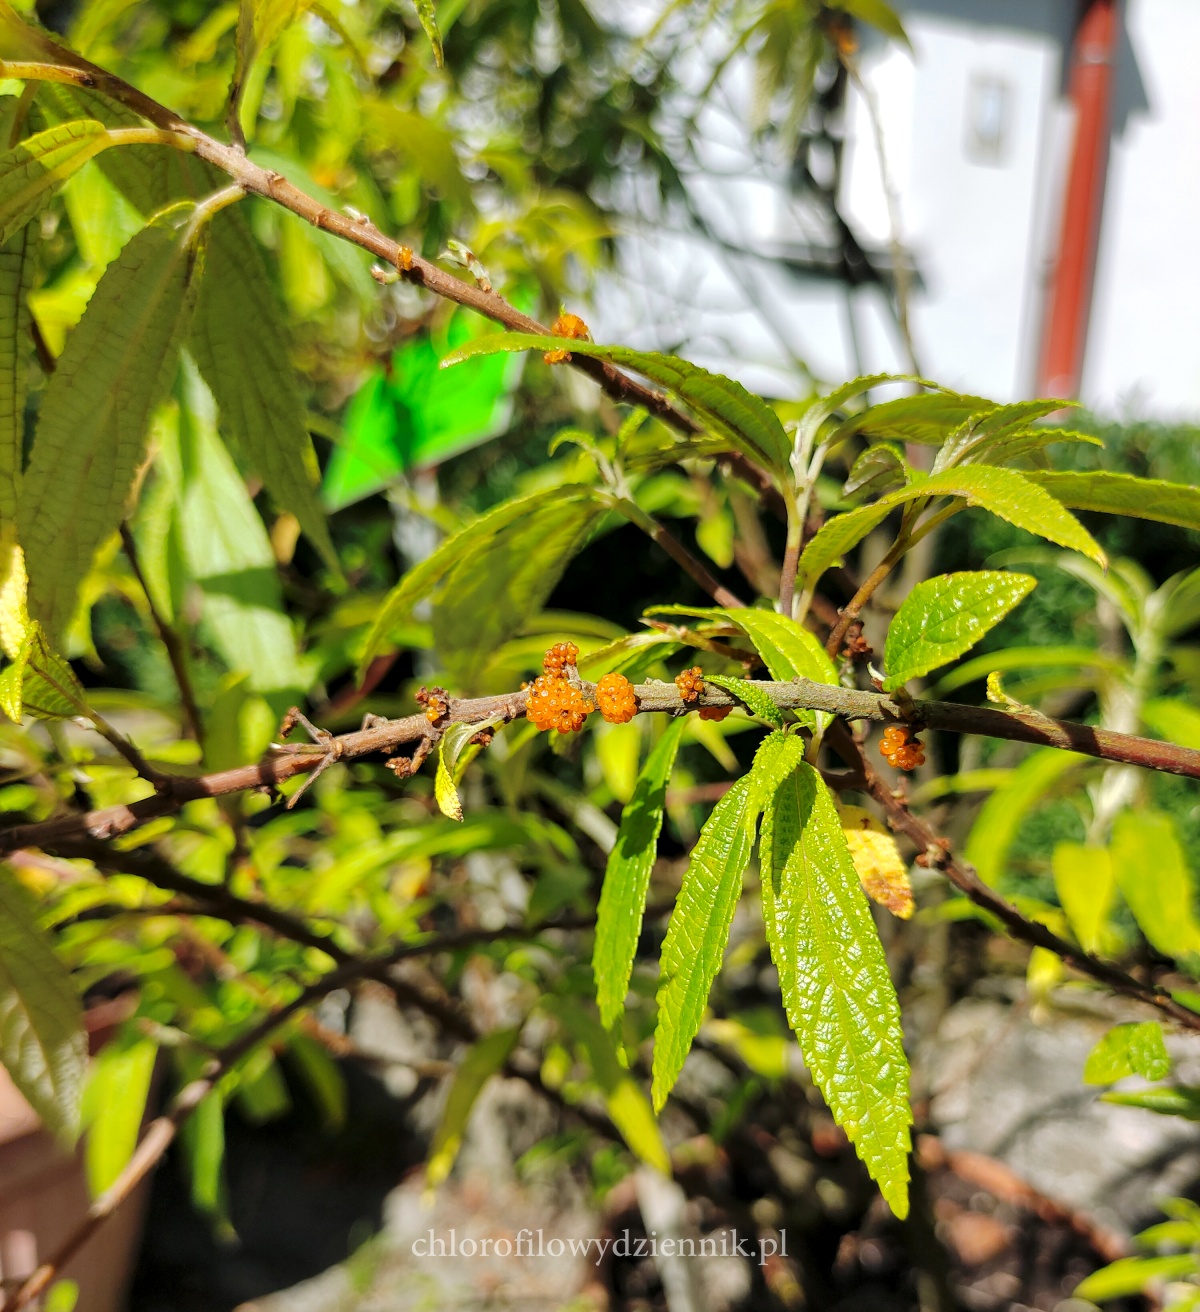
[[824, 407], [1086, 885], [755, 700], [928, 418], [95, 415], [945, 616], [988, 434], [40, 683], [735, 415], [482, 1061], [490, 576], [1156, 881], [1006, 493], [17, 263], [1134, 1275], [879, 468], [1131, 1049], [1123, 494], [627, 877], [42, 1043], [694, 947], [31, 172], [114, 1103], [836, 988], [239, 338]]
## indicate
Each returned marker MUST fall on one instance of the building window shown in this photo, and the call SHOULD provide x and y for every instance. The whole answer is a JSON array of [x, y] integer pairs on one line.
[[989, 115]]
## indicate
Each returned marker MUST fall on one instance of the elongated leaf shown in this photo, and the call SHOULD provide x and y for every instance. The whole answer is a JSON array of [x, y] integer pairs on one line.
[[1176, 1101], [1004, 492], [114, 1103], [878, 14], [444, 791], [483, 1060], [17, 260], [754, 699], [836, 988], [988, 433], [882, 872], [239, 338], [928, 418], [628, 1107], [14, 586], [203, 1141], [490, 576], [945, 616], [1176, 721], [42, 1043], [1134, 1275], [427, 15], [627, 877], [1156, 881], [1131, 1049], [40, 683], [824, 407], [1027, 658], [1123, 494], [91, 435], [31, 172], [1086, 886], [1000, 817], [699, 930], [227, 552], [733, 414]]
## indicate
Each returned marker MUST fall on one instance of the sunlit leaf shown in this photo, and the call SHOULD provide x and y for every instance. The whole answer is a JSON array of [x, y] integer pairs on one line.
[[1123, 494], [836, 987], [627, 877], [114, 1103], [16, 277], [944, 616], [1156, 881], [1136, 1048], [1086, 885], [42, 1043]]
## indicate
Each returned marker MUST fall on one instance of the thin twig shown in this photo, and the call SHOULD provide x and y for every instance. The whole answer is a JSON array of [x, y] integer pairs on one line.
[[192, 724], [283, 763]]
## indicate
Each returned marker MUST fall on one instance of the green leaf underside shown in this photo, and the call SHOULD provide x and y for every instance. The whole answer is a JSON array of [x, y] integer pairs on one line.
[[627, 877], [1131, 1049], [489, 576], [31, 172], [95, 416], [1156, 881], [42, 1043], [1123, 494], [1005, 493], [16, 275], [945, 616], [482, 1061], [694, 946], [836, 987], [754, 699], [239, 338], [737, 416]]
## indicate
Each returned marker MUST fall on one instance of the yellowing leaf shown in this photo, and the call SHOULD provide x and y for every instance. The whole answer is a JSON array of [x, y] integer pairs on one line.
[[14, 613], [40, 683], [31, 172], [881, 870]]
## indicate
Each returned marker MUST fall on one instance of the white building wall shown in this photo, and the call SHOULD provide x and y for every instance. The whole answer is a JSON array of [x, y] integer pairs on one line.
[[1143, 352]]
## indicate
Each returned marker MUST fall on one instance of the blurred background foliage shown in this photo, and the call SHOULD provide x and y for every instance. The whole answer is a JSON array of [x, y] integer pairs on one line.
[[549, 125]]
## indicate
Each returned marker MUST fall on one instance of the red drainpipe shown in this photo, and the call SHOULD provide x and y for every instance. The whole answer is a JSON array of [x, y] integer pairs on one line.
[[1070, 292]]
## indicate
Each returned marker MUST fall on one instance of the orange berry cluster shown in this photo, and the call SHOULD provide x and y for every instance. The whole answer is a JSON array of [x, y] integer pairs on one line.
[[436, 702], [902, 748], [690, 684], [714, 712], [555, 703], [615, 698], [557, 659], [567, 325]]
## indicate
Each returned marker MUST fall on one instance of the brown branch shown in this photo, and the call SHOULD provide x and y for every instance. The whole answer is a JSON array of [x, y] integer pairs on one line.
[[937, 853], [283, 763]]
